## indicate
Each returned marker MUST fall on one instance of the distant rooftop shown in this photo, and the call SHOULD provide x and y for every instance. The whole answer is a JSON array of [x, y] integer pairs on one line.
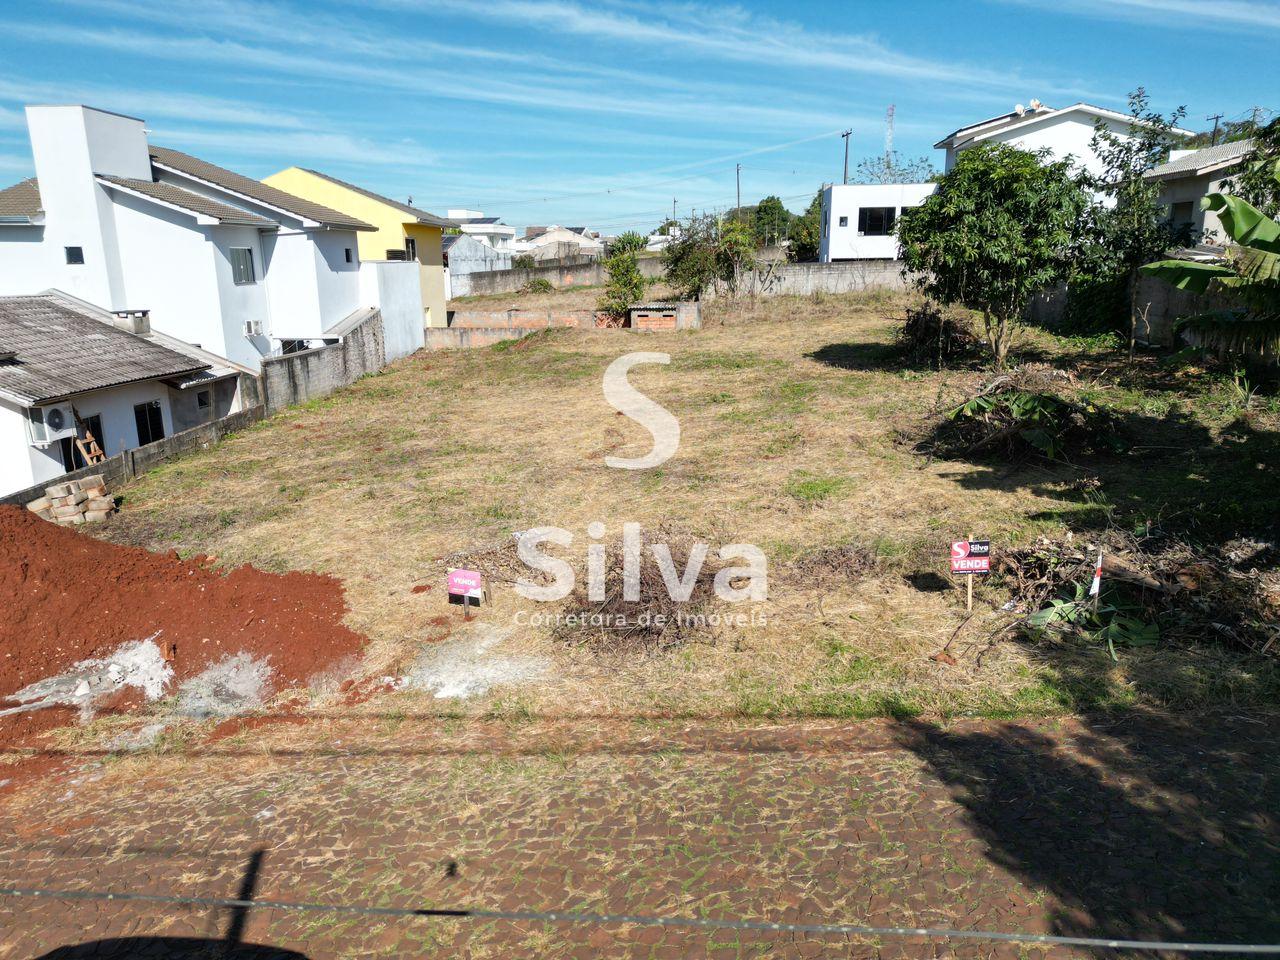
[[1202, 161], [422, 216]]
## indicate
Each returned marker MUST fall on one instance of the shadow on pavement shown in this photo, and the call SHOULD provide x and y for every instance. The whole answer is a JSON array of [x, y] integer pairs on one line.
[[1145, 828]]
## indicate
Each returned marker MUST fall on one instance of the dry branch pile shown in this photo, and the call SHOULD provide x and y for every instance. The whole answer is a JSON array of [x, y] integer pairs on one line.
[[933, 335], [1231, 593]]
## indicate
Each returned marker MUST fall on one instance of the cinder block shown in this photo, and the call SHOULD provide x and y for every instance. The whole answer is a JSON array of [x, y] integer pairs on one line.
[[94, 480], [93, 516], [67, 511], [92, 492], [74, 485], [45, 515], [44, 503], [57, 490], [70, 521], [99, 503]]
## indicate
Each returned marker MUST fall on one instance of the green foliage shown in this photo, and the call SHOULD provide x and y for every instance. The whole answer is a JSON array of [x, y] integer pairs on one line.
[[523, 261], [1110, 622], [1016, 422], [708, 252], [806, 232], [629, 242], [1258, 179], [625, 286], [1249, 277], [1131, 227], [893, 169], [537, 285], [999, 228], [772, 221]]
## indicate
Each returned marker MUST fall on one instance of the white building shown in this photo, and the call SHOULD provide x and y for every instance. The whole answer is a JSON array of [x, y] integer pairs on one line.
[[1191, 175], [859, 220], [557, 243], [1065, 132], [219, 260], [488, 230], [71, 371]]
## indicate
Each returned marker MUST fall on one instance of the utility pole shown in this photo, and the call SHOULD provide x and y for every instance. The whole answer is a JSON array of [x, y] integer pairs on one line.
[[846, 135], [738, 174], [673, 209], [1213, 138]]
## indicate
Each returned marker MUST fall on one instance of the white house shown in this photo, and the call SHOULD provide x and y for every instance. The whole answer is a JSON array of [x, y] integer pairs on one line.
[[556, 243], [488, 230], [1065, 132], [1189, 176], [71, 371], [218, 260], [859, 220]]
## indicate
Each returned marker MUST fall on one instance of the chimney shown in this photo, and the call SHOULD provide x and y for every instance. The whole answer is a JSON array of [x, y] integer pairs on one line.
[[133, 321]]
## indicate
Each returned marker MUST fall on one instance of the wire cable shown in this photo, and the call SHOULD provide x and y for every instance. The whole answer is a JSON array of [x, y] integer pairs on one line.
[[576, 917]]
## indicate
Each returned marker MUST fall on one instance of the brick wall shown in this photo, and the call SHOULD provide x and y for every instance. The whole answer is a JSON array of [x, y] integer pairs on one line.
[[298, 377]]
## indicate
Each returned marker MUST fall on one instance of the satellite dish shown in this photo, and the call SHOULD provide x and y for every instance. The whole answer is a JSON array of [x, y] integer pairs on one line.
[[1019, 109]]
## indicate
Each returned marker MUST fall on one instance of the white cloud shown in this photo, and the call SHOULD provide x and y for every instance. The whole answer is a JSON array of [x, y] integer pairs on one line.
[[1192, 14]]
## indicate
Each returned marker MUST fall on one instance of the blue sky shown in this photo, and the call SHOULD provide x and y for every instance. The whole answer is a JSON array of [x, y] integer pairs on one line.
[[600, 113]]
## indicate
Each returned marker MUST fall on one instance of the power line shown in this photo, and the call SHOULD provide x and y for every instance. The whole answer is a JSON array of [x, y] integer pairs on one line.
[[576, 917]]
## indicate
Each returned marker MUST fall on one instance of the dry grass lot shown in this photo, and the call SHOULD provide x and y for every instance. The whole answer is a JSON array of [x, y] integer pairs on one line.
[[791, 413]]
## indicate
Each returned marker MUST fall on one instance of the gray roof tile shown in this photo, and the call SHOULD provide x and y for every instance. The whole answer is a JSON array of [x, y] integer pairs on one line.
[[1224, 154], [191, 202], [21, 201], [422, 216], [60, 351], [253, 189]]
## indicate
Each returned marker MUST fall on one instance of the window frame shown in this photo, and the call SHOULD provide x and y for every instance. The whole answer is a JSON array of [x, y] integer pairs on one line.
[[410, 248], [888, 223], [74, 256], [237, 269], [844, 221], [153, 423]]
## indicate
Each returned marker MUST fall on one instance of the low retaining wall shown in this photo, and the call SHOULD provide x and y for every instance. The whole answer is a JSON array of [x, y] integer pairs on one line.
[[308, 374], [526, 319], [125, 466], [1157, 307], [465, 338], [510, 281], [804, 279]]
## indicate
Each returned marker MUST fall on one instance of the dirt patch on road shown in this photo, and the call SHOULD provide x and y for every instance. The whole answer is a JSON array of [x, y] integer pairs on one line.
[[70, 598]]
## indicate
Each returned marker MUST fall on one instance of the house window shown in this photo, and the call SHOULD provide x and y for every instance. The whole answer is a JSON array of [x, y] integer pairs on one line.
[[411, 248], [397, 255], [202, 400], [150, 422], [844, 221], [348, 254], [242, 265], [74, 254], [293, 346], [875, 221], [1182, 213]]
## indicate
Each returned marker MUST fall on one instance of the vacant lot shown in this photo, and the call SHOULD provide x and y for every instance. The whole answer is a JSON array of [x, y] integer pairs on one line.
[[793, 414]]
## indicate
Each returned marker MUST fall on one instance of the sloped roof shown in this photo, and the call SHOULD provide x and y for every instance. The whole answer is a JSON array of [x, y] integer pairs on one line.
[[20, 202], [422, 216], [191, 202], [60, 351], [477, 221], [254, 190], [1202, 161], [1008, 121], [448, 240]]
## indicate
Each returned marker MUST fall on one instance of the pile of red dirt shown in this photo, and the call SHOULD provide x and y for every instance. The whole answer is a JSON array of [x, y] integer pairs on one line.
[[68, 597]]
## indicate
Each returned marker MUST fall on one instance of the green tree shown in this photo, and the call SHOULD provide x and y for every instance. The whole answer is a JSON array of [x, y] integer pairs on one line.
[[629, 242], [771, 221], [625, 285], [707, 252], [999, 228], [893, 169], [806, 232], [1249, 277], [1257, 180], [1131, 226]]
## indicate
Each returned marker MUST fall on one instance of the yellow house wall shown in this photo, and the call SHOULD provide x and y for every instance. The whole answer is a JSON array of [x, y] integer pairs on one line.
[[390, 235]]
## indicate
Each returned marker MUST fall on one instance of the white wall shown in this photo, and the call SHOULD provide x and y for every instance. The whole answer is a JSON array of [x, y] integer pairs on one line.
[[395, 289], [23, 465], [1063, 135], [241, 302], [1190, 190], [337, 282], [840, 200], [292, 293]]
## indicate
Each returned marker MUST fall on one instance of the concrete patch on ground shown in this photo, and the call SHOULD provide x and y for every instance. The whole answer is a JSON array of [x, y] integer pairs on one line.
[[469, 664], [139, 664], [233, 685]]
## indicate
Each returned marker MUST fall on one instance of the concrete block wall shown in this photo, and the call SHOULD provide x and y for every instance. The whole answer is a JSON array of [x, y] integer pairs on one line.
[[298, 377], [590, 274], [525, 319]]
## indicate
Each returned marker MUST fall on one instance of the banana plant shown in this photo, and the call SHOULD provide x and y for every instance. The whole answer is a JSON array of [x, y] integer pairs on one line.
[[1248, 278]]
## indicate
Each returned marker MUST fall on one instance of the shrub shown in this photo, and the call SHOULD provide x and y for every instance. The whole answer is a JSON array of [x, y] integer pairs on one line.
[[523, 261], [934, 336], [629, 242], [537, 285], [625, 287]]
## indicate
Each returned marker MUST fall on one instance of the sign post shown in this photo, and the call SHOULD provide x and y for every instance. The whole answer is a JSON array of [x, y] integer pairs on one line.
[[968, 559], [465, 586]]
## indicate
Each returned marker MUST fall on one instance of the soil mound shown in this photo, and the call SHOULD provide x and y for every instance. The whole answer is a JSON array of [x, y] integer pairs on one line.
[[68, 597]]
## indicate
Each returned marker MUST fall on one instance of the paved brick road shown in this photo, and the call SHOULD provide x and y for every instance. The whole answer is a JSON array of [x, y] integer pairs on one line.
[[1141, 828]]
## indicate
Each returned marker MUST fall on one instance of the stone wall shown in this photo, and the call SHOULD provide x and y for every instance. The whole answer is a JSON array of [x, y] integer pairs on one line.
[[125, 466], [804, 279], [298, 377]]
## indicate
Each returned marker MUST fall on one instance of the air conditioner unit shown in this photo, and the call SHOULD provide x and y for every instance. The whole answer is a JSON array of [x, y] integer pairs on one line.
[[50, 424], [253, 328]]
